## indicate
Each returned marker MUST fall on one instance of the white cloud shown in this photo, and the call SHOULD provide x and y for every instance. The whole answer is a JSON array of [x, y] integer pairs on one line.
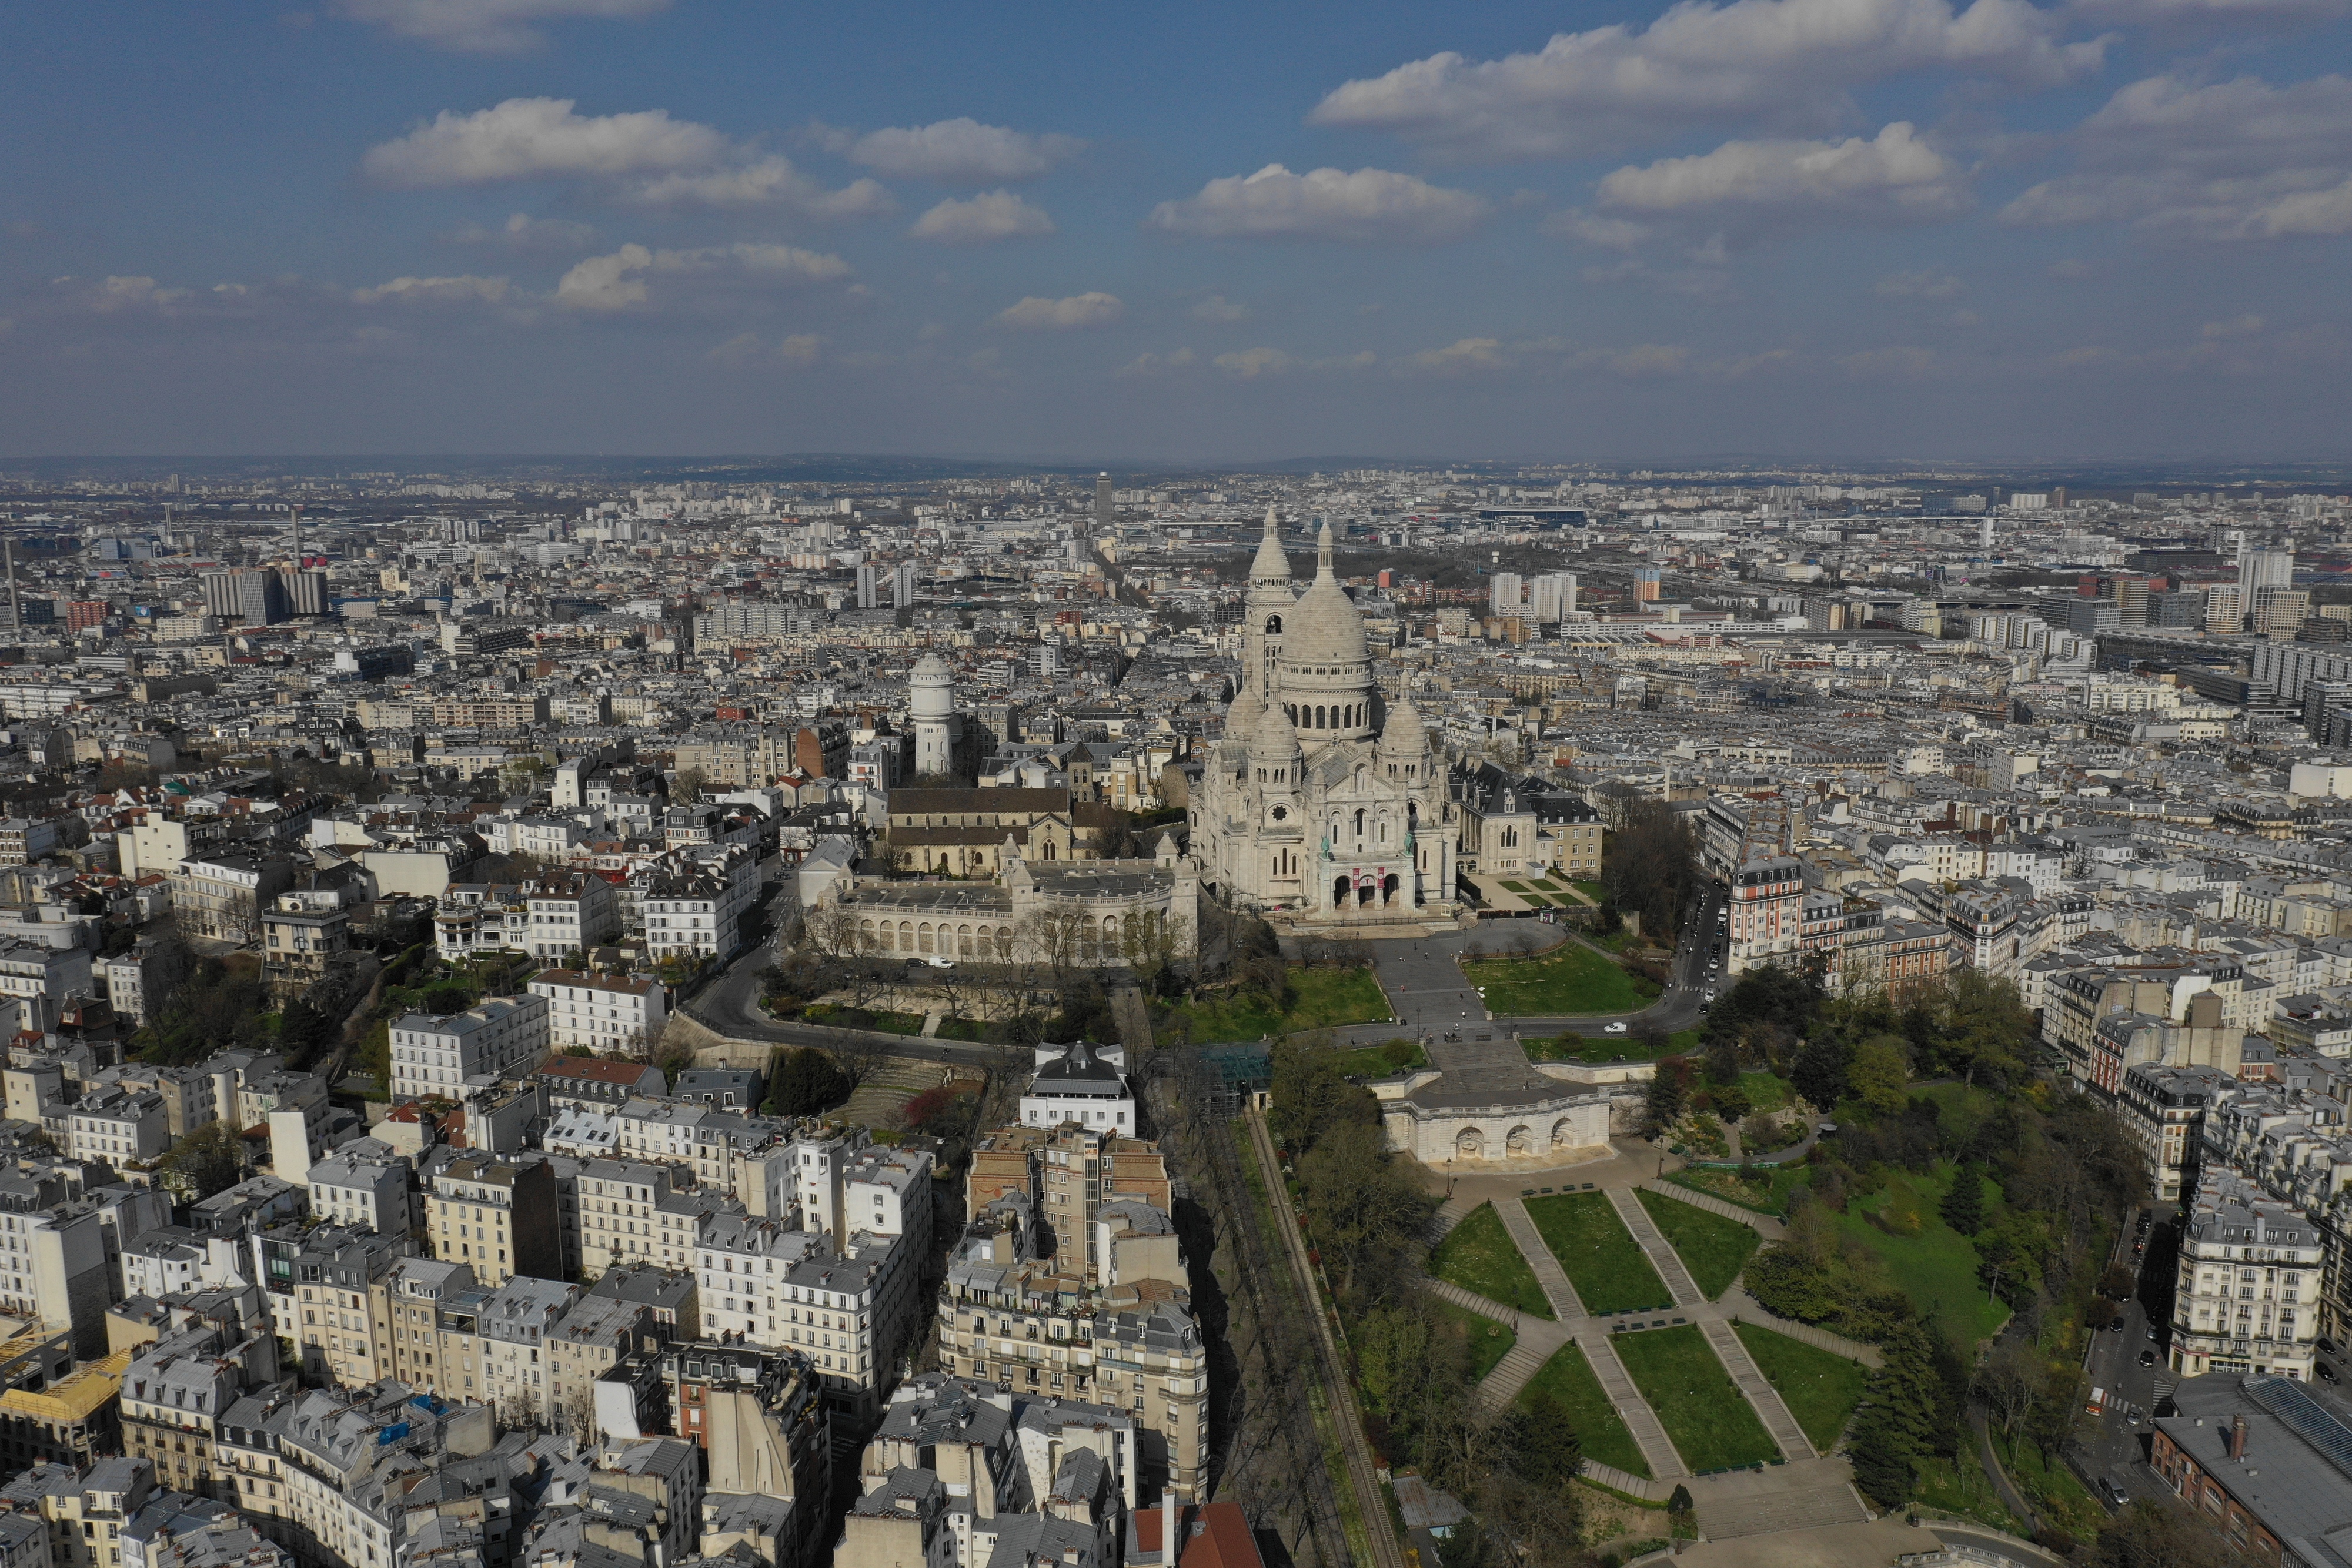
[[523, 232], [1217, 308], [993, 216], [1610, 234], [463, 290], [644, 157], [770, 180], [2243, 326], [1773, 61], [1920, 285], [1151, 364], [1900, 362], [1462, 355], [1250, 364], [1368, 205], [2240, 160], [1035, 314], [2228, 12], [1893, 176], [483, 26], [618, 281], [801, 349], [961, 151], [540, 139]]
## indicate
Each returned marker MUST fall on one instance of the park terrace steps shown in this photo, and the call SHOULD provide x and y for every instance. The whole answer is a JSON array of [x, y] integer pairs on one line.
[[1768, 1512], [1769, 1405], [1652, 1241], [1515, 1370], [1649, 1434], [1764, 1225], [1471, 1301], [1562, 1296]]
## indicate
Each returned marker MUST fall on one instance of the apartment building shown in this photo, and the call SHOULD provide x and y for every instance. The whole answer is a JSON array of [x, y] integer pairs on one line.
[[592, 1010], [223, 896], [54, 1269], [365, 1185], [516, 1325], [568, 912], [411, 1305], [2249, 1294], [319, 1283], [688, 914], [436, 1055], [619, 1220], [497, 1216], [2165, 1108], [117, 1126]]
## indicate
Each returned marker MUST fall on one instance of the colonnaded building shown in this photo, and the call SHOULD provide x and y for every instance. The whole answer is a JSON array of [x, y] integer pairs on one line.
[[1322, 800]]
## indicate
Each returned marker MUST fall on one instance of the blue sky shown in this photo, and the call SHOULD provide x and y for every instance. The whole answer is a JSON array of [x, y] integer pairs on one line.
[[1813, 228]]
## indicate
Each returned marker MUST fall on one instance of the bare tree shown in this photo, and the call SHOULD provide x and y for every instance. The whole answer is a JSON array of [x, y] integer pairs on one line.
[[857, 1055]]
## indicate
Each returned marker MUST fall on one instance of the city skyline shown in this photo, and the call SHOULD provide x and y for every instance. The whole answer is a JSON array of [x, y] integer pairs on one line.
[[1867, 230]]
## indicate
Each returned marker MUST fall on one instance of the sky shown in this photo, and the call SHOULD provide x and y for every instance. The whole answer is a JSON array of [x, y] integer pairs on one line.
[[1210, 232]]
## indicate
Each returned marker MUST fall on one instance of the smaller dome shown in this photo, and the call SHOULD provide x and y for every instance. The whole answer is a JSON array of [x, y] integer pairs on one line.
[[1272, 738], [1403, 733], [1241, 717]]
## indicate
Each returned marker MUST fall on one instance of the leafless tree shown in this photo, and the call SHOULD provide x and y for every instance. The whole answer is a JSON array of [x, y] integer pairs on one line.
[[859, 1055]]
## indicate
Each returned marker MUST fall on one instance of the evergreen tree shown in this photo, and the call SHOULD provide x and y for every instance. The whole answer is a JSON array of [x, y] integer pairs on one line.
[[1549, 1448], [1963, 1207], [1669, 1093], [809, 1083], [1896, 1429], [1819, 1072]]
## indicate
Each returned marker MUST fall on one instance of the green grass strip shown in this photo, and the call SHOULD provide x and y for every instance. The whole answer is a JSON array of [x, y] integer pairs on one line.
[[1820, 1389], [1712, 1247], [1607, 1265], [1709, 1421], [1479, 1255], [1568, 1378]]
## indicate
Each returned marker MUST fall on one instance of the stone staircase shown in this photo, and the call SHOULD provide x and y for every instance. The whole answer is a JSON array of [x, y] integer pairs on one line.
[[1652, 1240], [1547, 1271], [1511, 1374], [1770, 1407], [1639, 1418], [1767, 1512]]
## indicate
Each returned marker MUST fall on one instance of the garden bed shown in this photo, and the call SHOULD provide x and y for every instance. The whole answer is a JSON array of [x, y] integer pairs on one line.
[[1712, 1247], [1707, 1419], [1598, 1255], [1479, 1255]]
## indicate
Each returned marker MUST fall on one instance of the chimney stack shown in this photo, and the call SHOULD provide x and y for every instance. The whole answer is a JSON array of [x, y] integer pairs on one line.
[[2238, 1436]]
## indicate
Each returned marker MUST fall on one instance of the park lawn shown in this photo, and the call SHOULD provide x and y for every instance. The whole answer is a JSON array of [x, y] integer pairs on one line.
[[1320, 999], [1937, 1267], [1607, 1265], [1590, 890], [1571, 979], [1960, 1486], [1568, 1378], [1479, 1255], [1382, 1060], [1600, 1047], [1517, 887], [1712, 1247], [834, 1017], [1820, 1388], [1490, 1342], [1709, 1421], [2054, 1486], [1765, 1090]]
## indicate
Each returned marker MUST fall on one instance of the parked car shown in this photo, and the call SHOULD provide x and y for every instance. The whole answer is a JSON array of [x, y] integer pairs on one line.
[[2115, 1490], [1617, 1028], [2147, 1358], [2326, 1371]]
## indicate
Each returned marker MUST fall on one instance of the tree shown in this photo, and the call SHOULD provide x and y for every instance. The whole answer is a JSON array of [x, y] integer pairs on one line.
[[207, 1161], [1963, 1207], [686, 785], [1893, 1433], [1650, 865], [1879, 1073], [808, 1082], [2155, 1535], [1549, 1448], [1669, 1093], [1819, 1071]]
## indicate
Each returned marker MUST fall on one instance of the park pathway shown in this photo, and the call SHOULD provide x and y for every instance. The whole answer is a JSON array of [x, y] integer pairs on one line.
[[1533, 1249], [1663, 1256]]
